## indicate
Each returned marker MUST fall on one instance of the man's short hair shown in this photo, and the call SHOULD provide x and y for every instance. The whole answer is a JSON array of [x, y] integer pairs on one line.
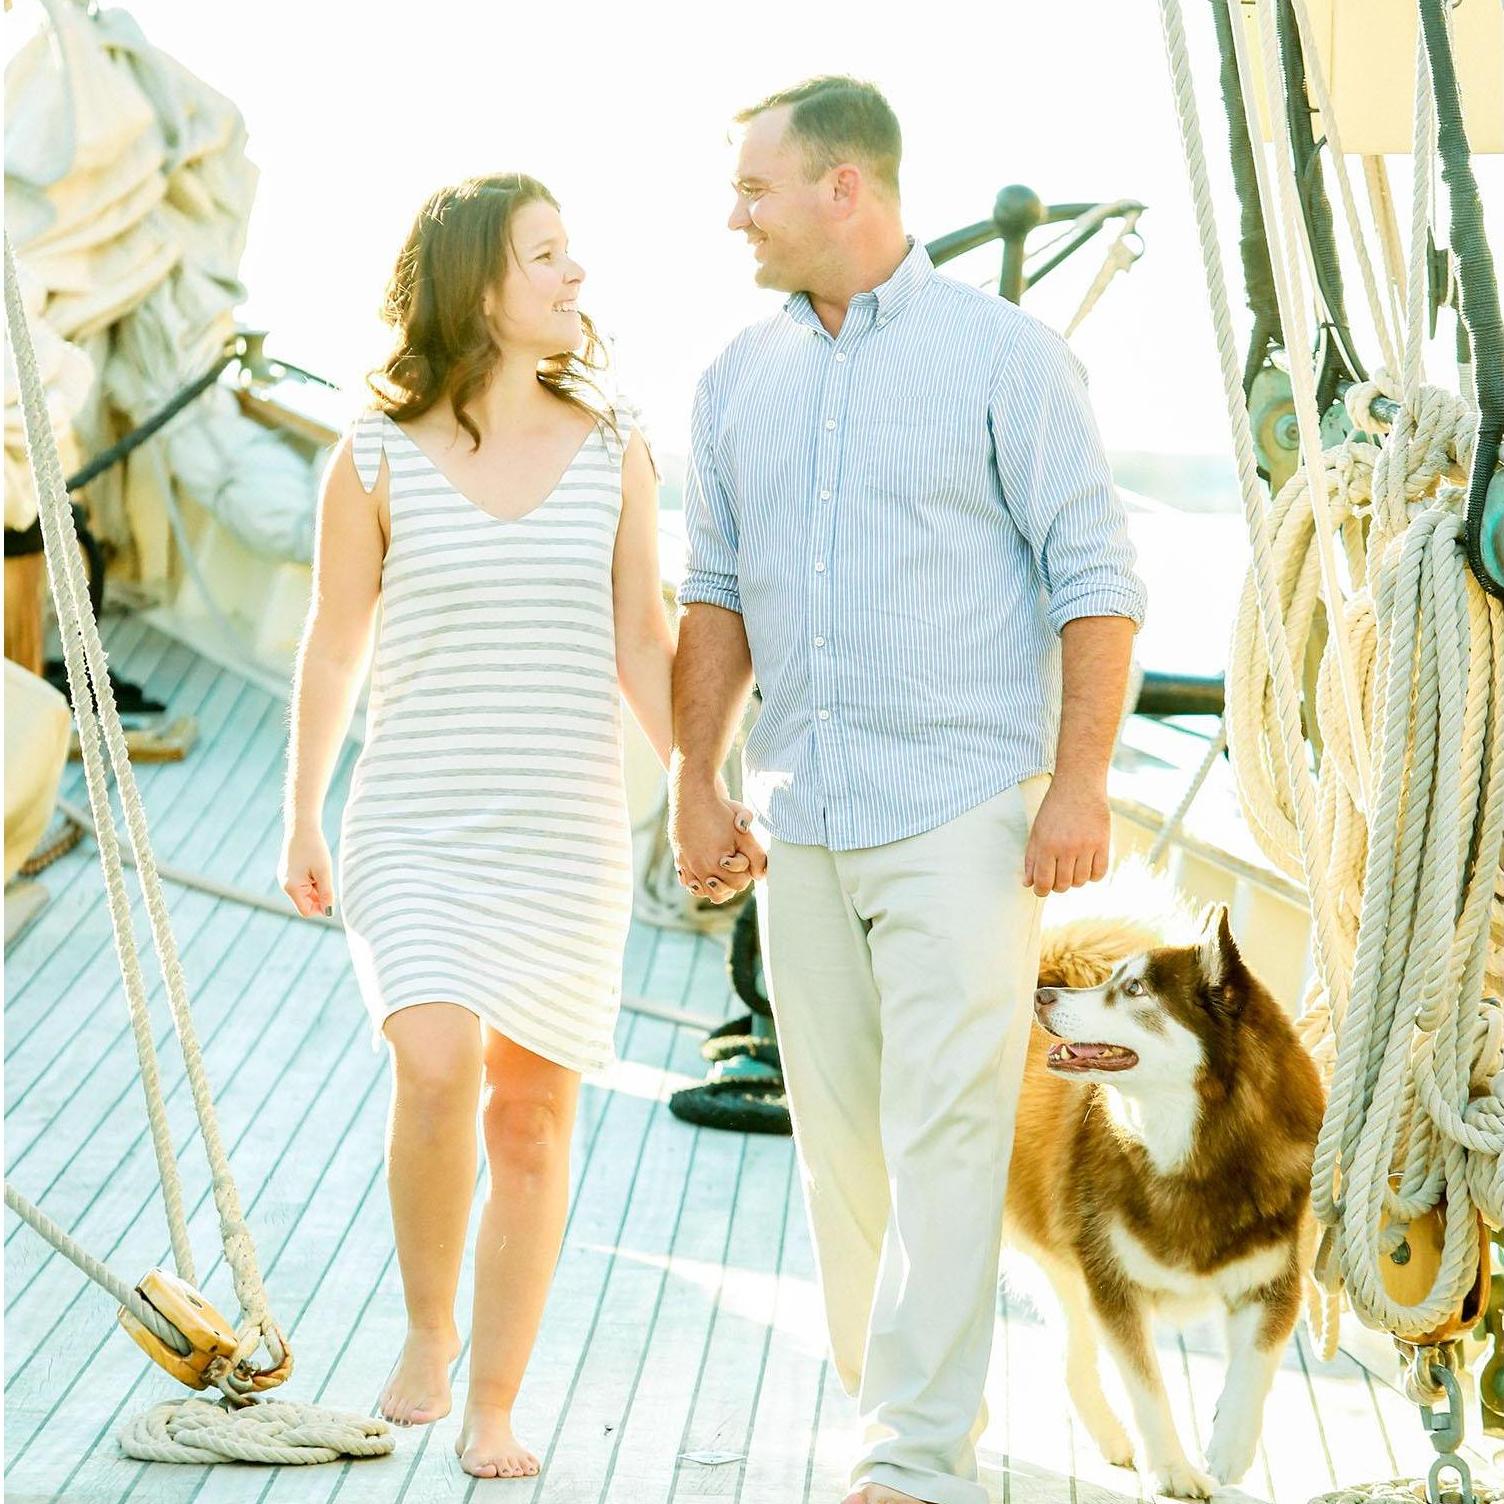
[[839, 119]]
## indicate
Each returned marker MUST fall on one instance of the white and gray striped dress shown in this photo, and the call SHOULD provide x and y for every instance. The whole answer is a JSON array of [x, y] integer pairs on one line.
[[485, 852]]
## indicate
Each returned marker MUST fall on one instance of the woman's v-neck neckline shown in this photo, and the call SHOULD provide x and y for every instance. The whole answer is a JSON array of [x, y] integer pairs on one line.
[[469, 501]]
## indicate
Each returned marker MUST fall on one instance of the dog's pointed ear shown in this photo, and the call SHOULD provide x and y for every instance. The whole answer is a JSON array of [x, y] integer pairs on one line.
[[1216, 951]]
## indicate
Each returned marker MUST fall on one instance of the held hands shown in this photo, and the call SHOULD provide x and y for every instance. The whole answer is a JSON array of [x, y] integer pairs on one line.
[[714, 851], [1069, 841], [306, 872]]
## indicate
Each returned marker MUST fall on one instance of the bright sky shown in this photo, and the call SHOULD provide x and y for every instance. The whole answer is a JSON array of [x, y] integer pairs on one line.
[[357, 112]]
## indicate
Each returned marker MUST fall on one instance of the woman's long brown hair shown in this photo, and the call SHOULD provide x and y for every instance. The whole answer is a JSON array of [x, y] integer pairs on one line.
[[455, 251]]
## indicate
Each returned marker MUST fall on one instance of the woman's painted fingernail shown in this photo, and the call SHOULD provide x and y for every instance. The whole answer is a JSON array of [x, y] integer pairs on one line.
[[329, 912]]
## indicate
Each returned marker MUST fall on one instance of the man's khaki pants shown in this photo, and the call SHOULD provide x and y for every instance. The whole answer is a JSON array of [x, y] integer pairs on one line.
[[902, 980]]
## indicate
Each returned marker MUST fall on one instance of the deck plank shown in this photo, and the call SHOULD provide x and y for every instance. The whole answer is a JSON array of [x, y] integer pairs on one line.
[[694, 1272], [735, 1354], [779, 1463]]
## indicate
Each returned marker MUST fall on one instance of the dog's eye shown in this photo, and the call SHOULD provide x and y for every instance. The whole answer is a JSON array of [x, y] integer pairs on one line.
[[1133, 987]]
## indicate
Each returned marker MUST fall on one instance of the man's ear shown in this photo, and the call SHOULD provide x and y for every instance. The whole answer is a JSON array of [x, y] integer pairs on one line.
[[846, 187]]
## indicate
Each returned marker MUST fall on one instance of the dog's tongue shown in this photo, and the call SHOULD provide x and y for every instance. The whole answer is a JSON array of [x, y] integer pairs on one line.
[[1088, 1051]]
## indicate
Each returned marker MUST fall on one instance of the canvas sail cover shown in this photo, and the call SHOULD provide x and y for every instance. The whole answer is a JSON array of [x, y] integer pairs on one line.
[[128, 192]]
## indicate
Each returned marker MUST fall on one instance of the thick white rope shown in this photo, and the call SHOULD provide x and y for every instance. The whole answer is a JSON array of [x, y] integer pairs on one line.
[[88, 680], [1381, 206], [1289, 287], [276, 1432], [58, 1235], [85, 662], [1407, 888]]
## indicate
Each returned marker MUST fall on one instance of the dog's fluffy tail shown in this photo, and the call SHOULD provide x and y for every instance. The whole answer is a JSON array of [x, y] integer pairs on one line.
[[1087, 931]]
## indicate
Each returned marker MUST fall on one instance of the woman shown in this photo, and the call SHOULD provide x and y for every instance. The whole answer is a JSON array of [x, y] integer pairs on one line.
[[507, 523]]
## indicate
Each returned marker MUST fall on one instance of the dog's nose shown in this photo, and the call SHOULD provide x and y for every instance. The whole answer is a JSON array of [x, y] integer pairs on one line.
[[1044, 997]]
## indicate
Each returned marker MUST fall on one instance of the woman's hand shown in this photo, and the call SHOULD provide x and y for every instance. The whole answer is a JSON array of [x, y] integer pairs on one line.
[[711, 834], [306, 872]]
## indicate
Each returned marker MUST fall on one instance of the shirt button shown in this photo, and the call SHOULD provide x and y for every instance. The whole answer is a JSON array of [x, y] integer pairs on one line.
[[819, 642], [820, 567], [830, 422], [840, 355], [824, 715], [825, 496]]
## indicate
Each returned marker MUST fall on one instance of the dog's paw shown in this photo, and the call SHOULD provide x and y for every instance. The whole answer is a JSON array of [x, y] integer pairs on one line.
[[1181, 1480], [1229, 1457], [1111, 1438]]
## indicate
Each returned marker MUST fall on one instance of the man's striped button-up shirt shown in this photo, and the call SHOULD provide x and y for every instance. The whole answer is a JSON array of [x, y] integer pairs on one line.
[[905, 515]]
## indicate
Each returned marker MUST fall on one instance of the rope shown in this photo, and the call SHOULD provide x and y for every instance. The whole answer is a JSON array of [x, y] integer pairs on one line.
[[279, 1433], [101, 1274], [1171, 827], [94, 707], [1120, 258], [1401, 859], [1289, 287], [56, 844]]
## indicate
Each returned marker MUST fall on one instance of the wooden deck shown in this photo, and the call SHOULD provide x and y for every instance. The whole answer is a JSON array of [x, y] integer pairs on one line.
[[683, 1319]]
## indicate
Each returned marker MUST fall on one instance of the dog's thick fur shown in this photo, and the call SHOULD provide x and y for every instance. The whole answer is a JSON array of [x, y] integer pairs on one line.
[[1174, 1179]]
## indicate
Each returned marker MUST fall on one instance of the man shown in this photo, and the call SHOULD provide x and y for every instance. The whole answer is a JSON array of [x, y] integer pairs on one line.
[[901, 519]]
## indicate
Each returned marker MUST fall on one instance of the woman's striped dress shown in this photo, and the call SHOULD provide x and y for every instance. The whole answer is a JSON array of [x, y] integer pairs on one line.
[[485, 853]]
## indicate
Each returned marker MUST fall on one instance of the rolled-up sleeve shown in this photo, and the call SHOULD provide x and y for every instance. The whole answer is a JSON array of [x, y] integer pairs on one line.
[[1057, 484], [709, 522]]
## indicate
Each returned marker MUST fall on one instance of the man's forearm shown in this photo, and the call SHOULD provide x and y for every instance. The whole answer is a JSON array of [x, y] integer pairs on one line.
[[1095, 652], [712, 679]]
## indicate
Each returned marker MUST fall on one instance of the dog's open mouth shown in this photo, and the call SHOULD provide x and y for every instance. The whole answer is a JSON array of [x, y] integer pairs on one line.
[[1070, 1056]]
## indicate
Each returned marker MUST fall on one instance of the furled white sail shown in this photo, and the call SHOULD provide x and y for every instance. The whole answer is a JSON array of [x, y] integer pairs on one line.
[[127, 195]]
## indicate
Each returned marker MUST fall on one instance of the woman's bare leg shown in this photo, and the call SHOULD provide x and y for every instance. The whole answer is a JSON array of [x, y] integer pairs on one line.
[[431, 1165], [527, 1122]]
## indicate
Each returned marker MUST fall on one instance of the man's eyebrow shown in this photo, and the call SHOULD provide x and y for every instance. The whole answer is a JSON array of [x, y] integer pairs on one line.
[[746, 179]]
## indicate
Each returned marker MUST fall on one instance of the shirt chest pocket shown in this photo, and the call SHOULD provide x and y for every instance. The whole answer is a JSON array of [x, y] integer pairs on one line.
[[913, 449]]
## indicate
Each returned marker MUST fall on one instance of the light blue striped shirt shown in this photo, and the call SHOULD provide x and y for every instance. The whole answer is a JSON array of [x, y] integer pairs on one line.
[[905, 516]]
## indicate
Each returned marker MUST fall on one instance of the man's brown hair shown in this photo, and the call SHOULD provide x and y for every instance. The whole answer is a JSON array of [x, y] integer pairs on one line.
[[839, 119]]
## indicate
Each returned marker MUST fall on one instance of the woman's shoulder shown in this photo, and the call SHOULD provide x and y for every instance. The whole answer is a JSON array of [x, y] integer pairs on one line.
[[365, 442]]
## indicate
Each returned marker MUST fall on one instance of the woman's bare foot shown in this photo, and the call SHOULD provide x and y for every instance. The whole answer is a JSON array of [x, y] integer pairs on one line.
[[417, 1389], [489, 1449]]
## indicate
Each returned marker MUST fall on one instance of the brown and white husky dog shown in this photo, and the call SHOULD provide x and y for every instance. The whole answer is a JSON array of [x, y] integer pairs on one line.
[[1166, 1128]]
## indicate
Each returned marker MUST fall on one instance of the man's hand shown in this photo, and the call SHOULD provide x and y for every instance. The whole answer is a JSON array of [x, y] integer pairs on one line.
[[715, 853], [1069, 841]]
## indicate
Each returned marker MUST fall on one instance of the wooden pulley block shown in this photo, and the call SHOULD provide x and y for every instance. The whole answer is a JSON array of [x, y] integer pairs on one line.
[[1410, 1272], [212, 1340]]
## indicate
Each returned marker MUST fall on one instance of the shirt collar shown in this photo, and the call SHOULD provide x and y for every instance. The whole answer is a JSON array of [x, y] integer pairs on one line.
[[890, 296]]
